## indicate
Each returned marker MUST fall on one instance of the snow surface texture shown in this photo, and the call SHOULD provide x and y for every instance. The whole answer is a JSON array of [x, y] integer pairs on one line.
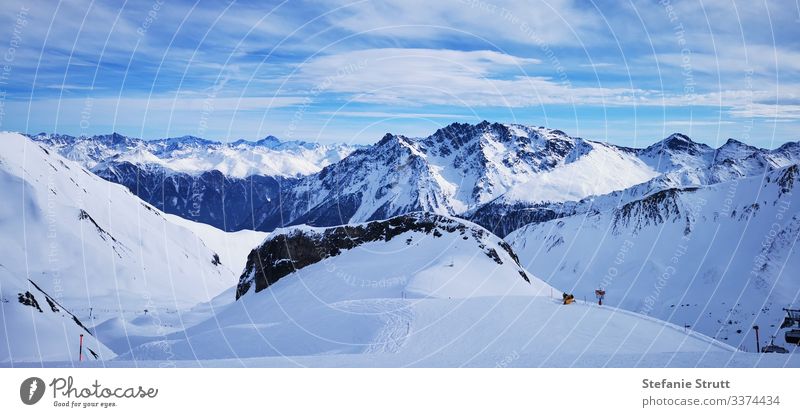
[[719, 258], [84, 243], [422, 298]]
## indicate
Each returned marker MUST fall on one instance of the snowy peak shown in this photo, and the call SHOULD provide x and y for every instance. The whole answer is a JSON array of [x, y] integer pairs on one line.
[[680, 143], [269, 141], [455, 171], [193, 155], [733, 150], [495, 143], [691, 164], [460, 169], [459, 135], [182, 143]]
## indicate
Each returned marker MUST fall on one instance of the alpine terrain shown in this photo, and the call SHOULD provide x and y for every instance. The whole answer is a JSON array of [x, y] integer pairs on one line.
[[478, 245]]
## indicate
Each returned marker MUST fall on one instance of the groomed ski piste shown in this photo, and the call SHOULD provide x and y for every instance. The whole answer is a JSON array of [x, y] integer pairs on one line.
[[439, 335]]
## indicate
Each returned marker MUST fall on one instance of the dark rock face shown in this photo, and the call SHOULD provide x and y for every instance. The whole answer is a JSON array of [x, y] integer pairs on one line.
[[286, 253], [658, 208], [502, 219], [682, 143], [212, 198], [405, 179], [787, 179]]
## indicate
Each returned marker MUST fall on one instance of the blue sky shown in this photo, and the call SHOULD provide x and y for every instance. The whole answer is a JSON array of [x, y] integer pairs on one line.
[[628, 72]]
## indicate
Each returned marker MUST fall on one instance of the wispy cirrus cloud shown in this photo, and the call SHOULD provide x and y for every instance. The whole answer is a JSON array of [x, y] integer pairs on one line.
[[394, 115], [409, 76]]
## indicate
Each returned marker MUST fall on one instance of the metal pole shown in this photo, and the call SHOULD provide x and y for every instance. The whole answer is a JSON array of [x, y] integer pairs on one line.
[[80, 350], [758, 342]]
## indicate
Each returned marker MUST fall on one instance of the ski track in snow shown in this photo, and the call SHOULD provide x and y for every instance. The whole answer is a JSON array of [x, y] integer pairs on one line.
[[397, 317]]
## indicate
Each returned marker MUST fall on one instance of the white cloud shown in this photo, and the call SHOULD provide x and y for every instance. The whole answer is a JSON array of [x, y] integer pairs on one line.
[[69, 87], [768, 111], [597, 65], [762, 60], [189, 104], [554, 22], [398, 76], [691, 123], [393, 115]]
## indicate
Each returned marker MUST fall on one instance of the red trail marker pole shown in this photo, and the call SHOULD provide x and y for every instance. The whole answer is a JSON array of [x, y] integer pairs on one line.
[[80, 350]]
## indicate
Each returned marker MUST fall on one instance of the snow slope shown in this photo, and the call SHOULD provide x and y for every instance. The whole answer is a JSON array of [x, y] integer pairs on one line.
[[231, 246], [600, 171], [90, 244], [416, 290], [718, 258], [41, 329]]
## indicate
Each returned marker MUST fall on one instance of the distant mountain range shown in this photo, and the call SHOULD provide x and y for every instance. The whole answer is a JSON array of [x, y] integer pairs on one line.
[[499, 176], [193, 155], [211, 182]]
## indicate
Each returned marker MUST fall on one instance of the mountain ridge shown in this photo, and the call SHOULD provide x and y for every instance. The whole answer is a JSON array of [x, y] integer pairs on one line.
[[499, 175]]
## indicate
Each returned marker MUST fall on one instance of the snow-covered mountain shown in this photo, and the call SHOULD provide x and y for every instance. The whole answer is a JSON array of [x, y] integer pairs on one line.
[[219, 184], [78, 250], [677, 161], [719, 258], [501, 176], [226, 203], [415, 290], [192, 155], [454, 171]]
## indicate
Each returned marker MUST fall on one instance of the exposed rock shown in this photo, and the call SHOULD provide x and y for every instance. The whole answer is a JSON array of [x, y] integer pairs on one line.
[[286, 252]]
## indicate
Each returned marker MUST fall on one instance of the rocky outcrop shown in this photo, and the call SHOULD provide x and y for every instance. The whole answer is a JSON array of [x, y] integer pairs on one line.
[[288, 251]]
